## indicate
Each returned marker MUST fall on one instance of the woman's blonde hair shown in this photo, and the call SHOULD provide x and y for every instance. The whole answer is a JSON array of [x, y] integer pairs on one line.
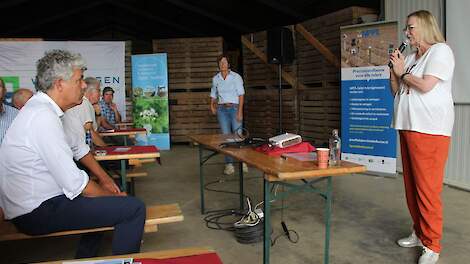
[[428, 28]]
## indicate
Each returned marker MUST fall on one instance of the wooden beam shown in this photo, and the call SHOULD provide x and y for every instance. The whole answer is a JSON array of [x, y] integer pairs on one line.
[[330, 57], [260, 54], [10, 3], [283, 9], [153, 17], [205, 13], [50, 19]]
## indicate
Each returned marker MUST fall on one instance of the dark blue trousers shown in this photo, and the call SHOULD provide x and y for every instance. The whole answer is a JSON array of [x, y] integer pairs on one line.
[[126, 214]]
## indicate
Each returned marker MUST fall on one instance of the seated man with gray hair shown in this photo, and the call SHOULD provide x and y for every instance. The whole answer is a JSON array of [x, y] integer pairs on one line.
[[41, 188], [20, 97]]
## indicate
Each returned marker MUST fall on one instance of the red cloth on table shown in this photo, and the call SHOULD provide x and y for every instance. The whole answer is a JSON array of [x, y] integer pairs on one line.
[[277, 151], [210, 258], [132, 150]]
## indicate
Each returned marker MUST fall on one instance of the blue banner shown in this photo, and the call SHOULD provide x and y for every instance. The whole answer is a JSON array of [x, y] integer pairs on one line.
[[367, 110], [150, 91], [366, 98]]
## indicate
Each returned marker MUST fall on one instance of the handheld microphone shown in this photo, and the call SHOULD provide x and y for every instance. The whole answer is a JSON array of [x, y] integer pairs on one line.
[[402, 47]]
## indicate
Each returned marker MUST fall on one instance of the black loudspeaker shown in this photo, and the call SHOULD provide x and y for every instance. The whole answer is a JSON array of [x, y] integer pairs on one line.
[[280, 48]]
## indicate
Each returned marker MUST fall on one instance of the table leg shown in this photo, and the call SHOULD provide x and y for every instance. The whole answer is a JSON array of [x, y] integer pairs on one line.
[[267, 222], [123, 176], [326, 255], [201, 179], [240, 173], [125, 140]]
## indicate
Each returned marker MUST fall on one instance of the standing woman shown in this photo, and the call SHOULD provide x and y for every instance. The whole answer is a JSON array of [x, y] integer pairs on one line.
[[227, 95], [424, 116]]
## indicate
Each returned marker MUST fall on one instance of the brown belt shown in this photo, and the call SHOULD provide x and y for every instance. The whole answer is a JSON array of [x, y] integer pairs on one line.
[[228, 105]]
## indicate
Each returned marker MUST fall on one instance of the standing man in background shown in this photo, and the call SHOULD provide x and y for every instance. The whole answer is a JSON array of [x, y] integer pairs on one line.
[[227, 97]]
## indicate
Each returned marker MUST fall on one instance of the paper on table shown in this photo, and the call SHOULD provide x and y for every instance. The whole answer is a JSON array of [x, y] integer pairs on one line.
[[102, 261], [302, 156], [121, 149]]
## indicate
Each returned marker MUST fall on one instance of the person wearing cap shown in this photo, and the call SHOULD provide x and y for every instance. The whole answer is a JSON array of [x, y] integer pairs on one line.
[[109, 112]]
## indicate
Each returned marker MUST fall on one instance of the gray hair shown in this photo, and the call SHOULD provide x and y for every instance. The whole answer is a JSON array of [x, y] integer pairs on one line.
[[92, 84], [57, 64]]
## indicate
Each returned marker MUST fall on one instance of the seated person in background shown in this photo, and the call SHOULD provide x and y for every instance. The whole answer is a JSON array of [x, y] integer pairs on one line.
[[7, 113], [20, 97], [41, 189], [92, 96], [109, 112]]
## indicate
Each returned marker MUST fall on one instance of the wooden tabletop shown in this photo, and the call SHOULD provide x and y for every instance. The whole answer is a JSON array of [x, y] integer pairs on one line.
[[127, 152], [276, 168], [165, 254], [123, 132]]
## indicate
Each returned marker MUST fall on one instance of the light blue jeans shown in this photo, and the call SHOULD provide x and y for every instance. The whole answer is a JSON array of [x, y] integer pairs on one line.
[[227, 117]]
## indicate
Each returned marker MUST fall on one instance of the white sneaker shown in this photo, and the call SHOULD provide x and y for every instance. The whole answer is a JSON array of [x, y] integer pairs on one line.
[[411, 241], [428, 256], [229, 169], [245, 167]]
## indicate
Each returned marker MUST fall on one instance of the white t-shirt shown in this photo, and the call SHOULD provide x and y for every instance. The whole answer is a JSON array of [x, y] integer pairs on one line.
[[73, 121], [429, 112], [36, 162]]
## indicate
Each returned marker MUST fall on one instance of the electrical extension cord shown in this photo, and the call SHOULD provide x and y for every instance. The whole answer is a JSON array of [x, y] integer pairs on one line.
[[249, 234], [260, 213]]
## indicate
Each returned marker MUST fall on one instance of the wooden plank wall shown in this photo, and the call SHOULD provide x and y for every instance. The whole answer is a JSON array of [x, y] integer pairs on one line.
[[320, 102], [192, 62], [314, 110], [262, 93], [128, 78]]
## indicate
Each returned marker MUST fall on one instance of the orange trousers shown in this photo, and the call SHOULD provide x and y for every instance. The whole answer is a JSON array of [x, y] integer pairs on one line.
[[424, 157]]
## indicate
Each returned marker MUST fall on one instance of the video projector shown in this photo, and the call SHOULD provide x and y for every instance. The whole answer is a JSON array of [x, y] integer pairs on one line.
[[285, 140]]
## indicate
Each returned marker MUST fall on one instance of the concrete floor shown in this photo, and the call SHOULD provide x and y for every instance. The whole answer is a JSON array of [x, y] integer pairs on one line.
[[369, 214]]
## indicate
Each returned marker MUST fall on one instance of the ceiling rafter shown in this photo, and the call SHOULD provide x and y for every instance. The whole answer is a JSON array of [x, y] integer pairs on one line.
[[153, 17], [283, 9], [210, 15], [51, 19]]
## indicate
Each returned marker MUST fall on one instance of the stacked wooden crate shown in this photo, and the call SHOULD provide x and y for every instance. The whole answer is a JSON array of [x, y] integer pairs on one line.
[[192, 62], [128, 78], [320, 101], [261, 83]]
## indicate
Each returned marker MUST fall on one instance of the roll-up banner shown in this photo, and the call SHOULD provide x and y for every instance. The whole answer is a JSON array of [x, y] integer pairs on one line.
[[150, 98], [366, 98]]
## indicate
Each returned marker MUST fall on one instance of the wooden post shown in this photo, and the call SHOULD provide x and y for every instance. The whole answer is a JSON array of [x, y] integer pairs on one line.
[[318, 45], [285, 75]]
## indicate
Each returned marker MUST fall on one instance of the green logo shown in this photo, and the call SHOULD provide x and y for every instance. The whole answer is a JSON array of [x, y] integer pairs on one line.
[[12, 83]]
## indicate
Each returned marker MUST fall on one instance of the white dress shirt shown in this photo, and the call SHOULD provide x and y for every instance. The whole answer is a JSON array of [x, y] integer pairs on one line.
[[36, 162]]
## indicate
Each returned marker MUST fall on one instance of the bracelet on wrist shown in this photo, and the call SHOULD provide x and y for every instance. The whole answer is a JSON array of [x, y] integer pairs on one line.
[[403, 75]]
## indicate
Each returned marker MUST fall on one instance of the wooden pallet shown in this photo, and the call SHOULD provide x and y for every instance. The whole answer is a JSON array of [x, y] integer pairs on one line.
[[192, 62], [190, 114], [262, 112], [319, 113], [256, 72], [312, 65]]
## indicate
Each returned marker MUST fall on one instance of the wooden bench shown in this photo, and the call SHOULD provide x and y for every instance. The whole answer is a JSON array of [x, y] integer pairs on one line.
[[160, 255], [157, 214]]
